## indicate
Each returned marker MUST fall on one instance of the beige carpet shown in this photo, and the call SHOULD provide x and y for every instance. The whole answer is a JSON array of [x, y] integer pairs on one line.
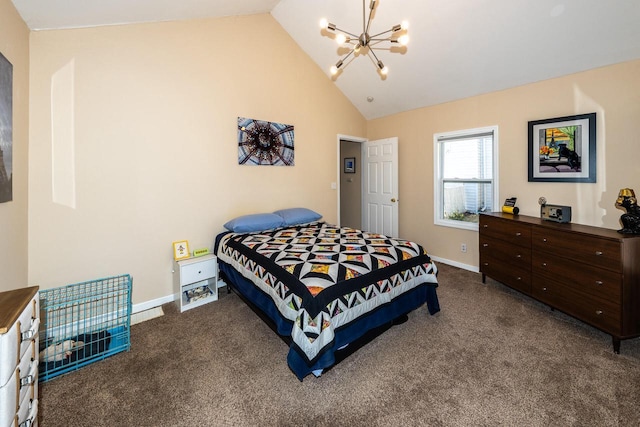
[[490, 357]]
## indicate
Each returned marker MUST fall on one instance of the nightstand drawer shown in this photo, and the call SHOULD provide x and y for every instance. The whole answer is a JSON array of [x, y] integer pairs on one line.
[[196, 272]]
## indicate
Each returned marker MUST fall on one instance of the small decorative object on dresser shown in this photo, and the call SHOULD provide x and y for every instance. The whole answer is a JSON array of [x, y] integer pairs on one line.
[[590, 273], [196, 281], [510, 206], [630, 220]]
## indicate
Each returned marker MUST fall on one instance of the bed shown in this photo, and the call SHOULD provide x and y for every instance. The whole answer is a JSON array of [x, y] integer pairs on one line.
[[324, 288]]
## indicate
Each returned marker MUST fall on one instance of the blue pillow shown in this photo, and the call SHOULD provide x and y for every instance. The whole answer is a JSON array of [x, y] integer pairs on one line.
[[294, 216], [254, 222]]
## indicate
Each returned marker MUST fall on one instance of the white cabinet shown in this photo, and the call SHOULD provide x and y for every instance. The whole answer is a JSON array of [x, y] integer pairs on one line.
[[19, 323], [196, 281]]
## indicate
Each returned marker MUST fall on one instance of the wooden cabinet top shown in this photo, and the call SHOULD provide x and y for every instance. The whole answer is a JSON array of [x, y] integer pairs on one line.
[[12, 303], [569, 227]]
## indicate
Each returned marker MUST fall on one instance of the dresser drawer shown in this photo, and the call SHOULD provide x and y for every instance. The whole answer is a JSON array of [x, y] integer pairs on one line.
[[499, 251], [18, 339], [514, 277], [603, 314], [27, 414], [600, 283], [21, 385], [596, 251], [513, 232]]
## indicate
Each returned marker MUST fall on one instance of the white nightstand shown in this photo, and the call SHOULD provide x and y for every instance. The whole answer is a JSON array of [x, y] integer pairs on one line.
[[196, 281]]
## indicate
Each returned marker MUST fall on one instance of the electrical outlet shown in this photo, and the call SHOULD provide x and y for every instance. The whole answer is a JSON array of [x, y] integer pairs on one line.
[[463, 247]]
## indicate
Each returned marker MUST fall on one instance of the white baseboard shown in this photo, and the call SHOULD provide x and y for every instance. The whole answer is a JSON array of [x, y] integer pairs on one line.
[[468, 267], [148, 305]]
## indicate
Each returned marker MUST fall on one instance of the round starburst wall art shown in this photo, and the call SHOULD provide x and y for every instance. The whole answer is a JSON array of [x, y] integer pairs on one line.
[[264, 143]]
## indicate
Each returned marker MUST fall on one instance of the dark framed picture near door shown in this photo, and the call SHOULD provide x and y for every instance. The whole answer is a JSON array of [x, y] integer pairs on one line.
[[349, 165]]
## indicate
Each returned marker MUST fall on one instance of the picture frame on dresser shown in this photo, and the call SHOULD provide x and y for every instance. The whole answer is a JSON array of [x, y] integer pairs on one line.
[[563, 149], [180, 250]]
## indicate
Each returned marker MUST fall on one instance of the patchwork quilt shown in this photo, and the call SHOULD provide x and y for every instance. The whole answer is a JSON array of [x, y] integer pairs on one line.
[[322, 277]]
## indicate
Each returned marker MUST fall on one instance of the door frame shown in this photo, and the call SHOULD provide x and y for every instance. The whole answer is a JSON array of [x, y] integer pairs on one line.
[[349, 138]]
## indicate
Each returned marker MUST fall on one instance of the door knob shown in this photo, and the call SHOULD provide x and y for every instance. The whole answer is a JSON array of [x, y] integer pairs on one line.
[[393, 200]]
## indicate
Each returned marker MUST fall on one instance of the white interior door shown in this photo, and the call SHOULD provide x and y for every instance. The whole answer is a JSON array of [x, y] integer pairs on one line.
[[380, 186]]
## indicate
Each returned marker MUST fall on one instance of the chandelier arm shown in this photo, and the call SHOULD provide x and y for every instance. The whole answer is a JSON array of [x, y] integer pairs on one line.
[[365, 24], [374, 55], [355, 36], [384, 32], [347, 55]]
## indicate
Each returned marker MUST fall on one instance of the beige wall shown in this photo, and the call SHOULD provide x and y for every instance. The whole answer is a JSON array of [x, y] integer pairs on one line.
[[612, 92], [151, 112], [14, 45]]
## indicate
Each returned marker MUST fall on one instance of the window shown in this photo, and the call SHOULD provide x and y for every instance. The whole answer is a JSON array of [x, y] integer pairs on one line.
[[466, 171]]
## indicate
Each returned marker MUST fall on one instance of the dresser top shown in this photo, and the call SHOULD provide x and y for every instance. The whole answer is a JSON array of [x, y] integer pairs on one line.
[[12, 303], [566, 226]]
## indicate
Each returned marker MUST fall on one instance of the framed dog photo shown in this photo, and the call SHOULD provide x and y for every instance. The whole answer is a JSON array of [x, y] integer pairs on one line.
[[180, 250], [563, 149]]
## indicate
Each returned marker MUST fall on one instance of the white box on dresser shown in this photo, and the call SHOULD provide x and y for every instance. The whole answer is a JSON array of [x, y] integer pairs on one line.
[[19, 323]]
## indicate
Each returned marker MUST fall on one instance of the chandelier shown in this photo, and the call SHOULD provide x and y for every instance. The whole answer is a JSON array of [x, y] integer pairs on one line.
[[365, 43]]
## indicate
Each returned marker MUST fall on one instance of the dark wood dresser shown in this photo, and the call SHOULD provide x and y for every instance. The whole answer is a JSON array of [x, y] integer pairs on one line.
[[590, 273]]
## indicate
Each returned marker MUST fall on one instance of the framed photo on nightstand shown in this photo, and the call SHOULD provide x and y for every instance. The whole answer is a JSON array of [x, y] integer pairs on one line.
[[180, 250]]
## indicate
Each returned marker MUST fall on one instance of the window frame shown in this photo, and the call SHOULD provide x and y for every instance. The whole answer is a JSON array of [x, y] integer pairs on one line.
[[438, 205]]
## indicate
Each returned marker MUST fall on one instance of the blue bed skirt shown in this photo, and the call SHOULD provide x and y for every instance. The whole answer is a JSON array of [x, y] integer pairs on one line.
[[349, 333]]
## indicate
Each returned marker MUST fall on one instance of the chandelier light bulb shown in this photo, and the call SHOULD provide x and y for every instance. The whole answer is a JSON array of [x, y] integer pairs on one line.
[[403, 40], [404, 25], [341, 39], [324, 24], [384, 70], [333, 70]]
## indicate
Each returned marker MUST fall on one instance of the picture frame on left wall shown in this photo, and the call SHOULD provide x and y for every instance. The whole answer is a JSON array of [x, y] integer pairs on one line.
[[180, 250], [6, 130]]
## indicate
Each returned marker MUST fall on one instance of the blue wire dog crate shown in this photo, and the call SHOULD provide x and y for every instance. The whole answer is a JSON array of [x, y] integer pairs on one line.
[[83, 323]]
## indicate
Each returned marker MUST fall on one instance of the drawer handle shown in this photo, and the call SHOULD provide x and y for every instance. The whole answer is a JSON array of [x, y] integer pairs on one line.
[[544, 239], [26, 336], [518, 278], [518, 256], [518, 234], [599, 282], [199, 272], [544, 264], [485, 226], [544, 289], [486, 263], [598, 312], [485, 245], [598, 253], [29, 379]]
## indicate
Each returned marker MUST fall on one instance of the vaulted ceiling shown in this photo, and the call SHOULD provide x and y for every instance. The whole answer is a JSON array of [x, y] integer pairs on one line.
[[457, 48]]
